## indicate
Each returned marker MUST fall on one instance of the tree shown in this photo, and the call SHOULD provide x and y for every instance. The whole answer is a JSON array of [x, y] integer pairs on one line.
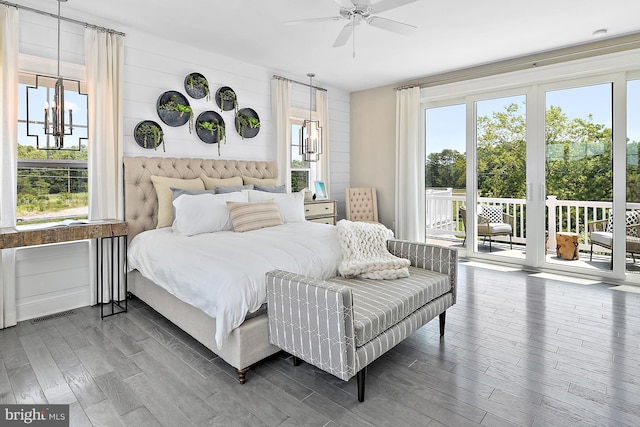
[[446, 169]]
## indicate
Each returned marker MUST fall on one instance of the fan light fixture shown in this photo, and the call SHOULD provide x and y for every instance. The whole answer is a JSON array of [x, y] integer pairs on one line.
[[55, 114], [310, 132]]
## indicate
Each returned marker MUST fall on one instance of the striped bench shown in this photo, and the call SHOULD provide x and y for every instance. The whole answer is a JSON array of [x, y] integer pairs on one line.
[[342, 325]]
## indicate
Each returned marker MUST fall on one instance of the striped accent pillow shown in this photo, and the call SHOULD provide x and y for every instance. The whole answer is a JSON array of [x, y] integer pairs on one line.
[[253, 215]]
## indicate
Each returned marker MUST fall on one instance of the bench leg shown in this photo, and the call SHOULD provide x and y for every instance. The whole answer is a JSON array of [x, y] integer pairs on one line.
[[443, 316], [360, 376], [296, 361]]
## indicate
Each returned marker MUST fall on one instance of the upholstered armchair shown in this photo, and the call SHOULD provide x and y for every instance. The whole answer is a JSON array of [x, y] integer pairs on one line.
[[492, 222], [601, 233], [362, 204]]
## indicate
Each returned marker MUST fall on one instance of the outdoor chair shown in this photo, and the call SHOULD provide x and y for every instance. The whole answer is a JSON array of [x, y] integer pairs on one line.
[[492, 222], [601, 233]]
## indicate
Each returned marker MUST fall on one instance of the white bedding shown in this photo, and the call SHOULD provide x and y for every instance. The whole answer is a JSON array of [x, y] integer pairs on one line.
[[223, 273]]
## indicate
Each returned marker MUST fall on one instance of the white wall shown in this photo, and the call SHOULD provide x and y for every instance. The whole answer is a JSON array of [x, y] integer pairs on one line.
[[152, 66]]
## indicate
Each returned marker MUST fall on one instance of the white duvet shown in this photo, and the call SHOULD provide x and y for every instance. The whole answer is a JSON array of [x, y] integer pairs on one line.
[[223, 273]]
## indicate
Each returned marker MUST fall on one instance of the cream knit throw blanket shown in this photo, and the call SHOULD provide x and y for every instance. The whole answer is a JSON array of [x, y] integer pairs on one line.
[[365, 254]]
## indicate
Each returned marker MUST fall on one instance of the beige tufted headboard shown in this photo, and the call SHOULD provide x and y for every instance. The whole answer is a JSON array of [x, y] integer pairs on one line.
[[140, 200]]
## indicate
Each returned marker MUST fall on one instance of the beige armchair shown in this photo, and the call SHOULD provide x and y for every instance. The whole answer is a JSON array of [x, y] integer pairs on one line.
[[492, 222], [601, 234], [362, 204]]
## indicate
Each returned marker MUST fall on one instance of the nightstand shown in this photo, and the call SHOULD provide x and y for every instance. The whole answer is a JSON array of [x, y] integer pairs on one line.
[[322, 211]]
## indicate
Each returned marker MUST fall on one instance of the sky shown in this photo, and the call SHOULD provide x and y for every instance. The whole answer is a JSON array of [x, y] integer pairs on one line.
[[446, 125]]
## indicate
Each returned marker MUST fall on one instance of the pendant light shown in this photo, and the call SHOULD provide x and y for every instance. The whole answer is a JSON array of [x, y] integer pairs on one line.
[[310, 132]]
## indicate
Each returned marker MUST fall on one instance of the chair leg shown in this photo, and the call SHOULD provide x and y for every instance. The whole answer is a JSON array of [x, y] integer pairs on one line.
[[296, 360], [489, 244], [510, 242], [442, 319], [591, 255], [360, 377]]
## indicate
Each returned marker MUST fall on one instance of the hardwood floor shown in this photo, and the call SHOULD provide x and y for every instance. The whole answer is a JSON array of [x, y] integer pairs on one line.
[[518, 350]]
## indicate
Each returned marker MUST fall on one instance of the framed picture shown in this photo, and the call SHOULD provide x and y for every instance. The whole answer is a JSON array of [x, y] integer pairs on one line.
[[321, 191]]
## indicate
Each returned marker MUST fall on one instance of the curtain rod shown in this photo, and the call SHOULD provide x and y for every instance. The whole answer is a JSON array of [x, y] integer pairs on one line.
[[579, 51], [62, 18], [275, 76]]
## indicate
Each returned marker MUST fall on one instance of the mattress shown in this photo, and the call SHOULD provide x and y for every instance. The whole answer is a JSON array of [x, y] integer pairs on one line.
[[223, 273]]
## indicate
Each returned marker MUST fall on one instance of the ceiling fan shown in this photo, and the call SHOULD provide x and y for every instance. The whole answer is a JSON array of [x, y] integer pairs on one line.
[[359, 11]]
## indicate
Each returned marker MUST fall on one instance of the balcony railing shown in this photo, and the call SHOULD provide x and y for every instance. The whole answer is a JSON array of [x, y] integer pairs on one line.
[[443, 206]]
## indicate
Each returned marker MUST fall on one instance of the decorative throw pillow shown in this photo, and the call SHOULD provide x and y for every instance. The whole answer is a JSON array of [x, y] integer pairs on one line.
[[259, 181], [631, 218], [271, 188], [290, 205], [177, 192], [204, 212], [163, 186], [492, 213], [212, 183], [224, 190], [253, 216]]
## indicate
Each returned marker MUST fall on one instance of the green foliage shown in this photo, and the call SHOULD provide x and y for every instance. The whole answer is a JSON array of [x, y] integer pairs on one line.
[[150, 134], [199, 82], [245, 121], [227, 96], [174, 105], [299, 180], [50, 189], [446, 169], [214, 127]]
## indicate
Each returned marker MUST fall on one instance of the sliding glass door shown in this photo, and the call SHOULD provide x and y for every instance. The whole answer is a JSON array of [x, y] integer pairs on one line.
[[579, 176]]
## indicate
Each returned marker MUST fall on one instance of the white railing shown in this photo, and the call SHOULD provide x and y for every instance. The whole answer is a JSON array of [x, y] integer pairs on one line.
[[442, 215]]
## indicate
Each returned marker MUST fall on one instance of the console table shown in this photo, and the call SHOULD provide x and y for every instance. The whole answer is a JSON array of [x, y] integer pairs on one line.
[[112, 229]]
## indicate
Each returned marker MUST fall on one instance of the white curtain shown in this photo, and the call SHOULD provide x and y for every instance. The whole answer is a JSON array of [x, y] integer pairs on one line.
[[104, 64], [409, 167], [322, 115], [8, 156], [281, 111]]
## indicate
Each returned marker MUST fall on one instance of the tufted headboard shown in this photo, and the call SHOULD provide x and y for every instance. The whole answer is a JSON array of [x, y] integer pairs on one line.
[[140, 199]]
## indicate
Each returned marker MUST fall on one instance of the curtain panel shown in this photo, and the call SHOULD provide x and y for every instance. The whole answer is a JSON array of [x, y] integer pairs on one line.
[[281, 112], [104, 67], [322, 114], [410, 155], [9, 43]]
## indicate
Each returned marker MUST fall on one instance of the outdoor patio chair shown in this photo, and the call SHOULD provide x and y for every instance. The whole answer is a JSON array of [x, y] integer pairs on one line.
[[601, 233], [492, 222]]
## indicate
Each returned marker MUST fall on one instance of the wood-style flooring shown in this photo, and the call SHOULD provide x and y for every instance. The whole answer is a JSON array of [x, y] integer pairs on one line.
[[518, 350]]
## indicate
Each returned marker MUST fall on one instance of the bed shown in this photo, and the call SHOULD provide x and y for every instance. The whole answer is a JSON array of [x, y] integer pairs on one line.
[[239, 345]]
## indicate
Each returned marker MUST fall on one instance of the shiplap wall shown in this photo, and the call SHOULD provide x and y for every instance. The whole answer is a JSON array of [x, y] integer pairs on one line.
[[54, 278]]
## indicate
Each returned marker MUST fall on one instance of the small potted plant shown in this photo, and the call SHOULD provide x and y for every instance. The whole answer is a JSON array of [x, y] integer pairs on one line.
[[151, 136], [174, 105], [217, 130], [246, 122], [227, 97], [198, 84]]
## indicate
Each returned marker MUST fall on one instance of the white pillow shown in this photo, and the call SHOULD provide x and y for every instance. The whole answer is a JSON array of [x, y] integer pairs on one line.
[[291, 205], [204, 213]]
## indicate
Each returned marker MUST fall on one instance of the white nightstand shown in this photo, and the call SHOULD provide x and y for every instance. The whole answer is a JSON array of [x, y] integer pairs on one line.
[[322, 211]]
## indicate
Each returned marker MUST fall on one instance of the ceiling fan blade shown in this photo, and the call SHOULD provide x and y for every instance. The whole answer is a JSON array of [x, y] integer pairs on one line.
[[393, 26], [304, 21], [345, 4], [344, 35], [384, 5]]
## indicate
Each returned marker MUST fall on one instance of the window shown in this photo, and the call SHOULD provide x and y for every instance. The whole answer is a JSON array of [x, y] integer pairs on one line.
[[303, 174], [52, 184]]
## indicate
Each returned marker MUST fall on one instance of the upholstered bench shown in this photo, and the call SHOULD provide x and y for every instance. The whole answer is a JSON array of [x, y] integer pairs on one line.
[[342, 325]]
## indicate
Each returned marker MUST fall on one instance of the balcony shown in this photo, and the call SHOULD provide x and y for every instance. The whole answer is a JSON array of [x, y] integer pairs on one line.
[[444, 224]]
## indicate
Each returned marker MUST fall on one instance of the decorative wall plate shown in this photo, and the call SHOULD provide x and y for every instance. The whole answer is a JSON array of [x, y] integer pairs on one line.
[[196, 85], [206, 135], [246, 130], [172, 117], [228, 103], [145, 134]]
